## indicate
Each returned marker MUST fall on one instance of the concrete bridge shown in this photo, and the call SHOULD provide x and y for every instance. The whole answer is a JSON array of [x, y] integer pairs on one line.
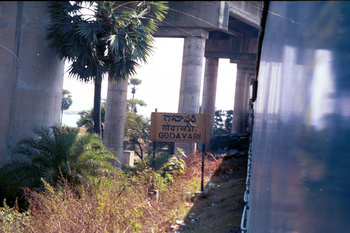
[[211, 30], [31, 75]]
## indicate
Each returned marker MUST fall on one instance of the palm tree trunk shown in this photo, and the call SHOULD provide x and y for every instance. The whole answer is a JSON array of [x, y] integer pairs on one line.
[[97, 104], [115, 117]]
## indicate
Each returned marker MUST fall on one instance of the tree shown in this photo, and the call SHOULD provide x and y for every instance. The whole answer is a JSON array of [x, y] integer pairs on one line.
[[228, 120], [137, 130], [113, 41], [132, 104], [57, 152], [222, 122], [137, 127], [86, 119], [66, 101], [135, 82]]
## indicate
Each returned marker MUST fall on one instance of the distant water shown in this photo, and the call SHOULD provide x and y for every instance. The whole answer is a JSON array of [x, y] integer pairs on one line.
[[70, 119]]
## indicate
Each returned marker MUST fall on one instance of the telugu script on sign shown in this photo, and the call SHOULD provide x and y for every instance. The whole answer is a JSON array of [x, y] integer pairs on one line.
[[178, 127]]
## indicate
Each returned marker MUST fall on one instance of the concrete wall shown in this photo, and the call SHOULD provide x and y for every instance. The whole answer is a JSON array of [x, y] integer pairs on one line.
[[31, 77]]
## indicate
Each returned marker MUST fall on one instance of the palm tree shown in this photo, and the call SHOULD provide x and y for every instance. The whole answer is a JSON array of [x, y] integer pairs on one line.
[[57, 152], [113, 41], [135, 82]]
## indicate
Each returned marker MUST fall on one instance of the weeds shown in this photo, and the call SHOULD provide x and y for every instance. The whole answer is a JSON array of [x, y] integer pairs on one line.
[[11, 220], [117, 203]]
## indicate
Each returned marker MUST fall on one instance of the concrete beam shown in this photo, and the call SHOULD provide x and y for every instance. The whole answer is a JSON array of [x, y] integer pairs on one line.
[[249, 12], [217, 47], [181, 32], [194, 14], [245, 63], [234, 48]]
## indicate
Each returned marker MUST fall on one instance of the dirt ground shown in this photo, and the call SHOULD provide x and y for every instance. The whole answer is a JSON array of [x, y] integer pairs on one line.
[[220, 206]]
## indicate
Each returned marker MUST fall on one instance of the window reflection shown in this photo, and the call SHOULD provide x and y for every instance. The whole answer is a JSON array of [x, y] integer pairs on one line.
[[321, 90]]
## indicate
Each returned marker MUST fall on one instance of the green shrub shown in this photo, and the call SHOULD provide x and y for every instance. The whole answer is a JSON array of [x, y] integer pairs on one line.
[[11, 220], [57, 153], [174, 166]]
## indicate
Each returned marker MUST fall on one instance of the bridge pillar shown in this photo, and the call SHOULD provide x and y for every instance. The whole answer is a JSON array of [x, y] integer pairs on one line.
[[115, 117], [31, 76], [242, 96], [209, 90], [191, 77]]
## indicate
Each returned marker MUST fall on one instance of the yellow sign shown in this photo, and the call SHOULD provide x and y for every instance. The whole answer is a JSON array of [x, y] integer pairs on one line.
[[179, 127]]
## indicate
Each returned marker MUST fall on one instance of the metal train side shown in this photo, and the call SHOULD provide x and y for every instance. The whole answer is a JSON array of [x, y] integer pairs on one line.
[[299, 177]]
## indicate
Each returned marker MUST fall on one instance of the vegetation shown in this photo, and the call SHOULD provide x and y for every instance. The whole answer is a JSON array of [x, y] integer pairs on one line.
[[174, 166], [137, 131], [118, 200], [86, 119], [137, 127], [12, 220], [222, 122], [135, 82], [121, 203], [113, 40], [116, 203], [66, 101], [56, 153], [109, 205]]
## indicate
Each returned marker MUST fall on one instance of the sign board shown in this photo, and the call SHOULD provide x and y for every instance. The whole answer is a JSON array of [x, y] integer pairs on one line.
[[179, 127]]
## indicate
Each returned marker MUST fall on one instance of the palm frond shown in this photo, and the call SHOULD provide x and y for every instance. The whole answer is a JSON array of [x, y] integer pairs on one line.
[[89, 31], [15, 175], [55, 152], [158, 8]]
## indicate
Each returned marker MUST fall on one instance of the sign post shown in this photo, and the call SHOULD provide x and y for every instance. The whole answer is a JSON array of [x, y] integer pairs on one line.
[[180, 127]]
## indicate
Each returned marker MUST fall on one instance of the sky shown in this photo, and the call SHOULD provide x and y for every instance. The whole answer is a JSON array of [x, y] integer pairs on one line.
[[160, 85]]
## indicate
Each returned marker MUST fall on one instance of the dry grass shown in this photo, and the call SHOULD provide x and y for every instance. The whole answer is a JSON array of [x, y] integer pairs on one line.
[[121, 203], [117, 204]]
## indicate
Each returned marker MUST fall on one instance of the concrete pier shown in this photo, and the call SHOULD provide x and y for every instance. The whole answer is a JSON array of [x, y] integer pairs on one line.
[[31, 76], [116, 116], [209, 90], [242, 97], [191, 75], [191, 81]]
